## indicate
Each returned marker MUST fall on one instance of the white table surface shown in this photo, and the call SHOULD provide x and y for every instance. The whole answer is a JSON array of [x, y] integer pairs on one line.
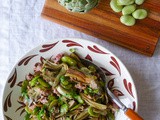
[[22, 28]]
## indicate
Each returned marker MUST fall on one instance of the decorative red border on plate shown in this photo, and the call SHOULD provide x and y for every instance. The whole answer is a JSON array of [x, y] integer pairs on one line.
[[88, 57], [71, 43], [134, 105], [26, 60], [8, 118], [107, 73], [115, 64], [21, 107], [128, 87], [7, 102], [47, 47], [13, 79], [115, 90], [96, 49]]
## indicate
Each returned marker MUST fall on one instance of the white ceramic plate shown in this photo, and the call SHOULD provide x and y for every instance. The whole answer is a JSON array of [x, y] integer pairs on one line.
[[119, 78]]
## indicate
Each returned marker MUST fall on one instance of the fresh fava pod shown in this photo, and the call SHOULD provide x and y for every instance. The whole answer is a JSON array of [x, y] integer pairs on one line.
[[81, 6]]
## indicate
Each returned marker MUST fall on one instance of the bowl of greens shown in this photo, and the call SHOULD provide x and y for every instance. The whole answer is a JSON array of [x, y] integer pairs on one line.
[[51, 83]]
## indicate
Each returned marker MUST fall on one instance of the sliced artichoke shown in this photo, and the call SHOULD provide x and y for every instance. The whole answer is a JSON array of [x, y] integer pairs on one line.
[[81, 6], [78, 75]]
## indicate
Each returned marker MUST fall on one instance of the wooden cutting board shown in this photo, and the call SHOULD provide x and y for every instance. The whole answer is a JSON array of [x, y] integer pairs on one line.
[[103, 23]]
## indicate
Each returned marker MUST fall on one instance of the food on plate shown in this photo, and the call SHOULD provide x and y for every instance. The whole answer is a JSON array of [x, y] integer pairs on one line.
[[63, 88], [81, 6], [129, 9]]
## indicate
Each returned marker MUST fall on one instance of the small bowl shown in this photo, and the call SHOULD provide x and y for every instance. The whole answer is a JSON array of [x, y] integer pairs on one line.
[[120, 81]]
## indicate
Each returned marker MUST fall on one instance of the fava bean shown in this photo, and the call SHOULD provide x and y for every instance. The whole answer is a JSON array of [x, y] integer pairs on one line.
[[115, 7], [69, 60], [139, 14], [127, 20], [125, 2], [139, 2], [129, 9]]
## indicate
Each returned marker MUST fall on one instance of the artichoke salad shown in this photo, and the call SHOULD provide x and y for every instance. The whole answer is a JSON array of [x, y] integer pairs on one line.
[[81, 6], [62, 88]]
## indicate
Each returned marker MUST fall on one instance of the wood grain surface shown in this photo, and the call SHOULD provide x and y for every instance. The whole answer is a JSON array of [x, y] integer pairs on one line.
[[103, 23]]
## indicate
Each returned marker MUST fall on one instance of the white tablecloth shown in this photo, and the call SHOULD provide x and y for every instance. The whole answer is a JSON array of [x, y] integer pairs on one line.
[[22, 28]]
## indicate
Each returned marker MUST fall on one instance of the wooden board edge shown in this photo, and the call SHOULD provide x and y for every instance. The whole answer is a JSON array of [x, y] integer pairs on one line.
[[95, 35]]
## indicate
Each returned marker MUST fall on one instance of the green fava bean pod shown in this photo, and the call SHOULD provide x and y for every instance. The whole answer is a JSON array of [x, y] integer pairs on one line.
[[125, 2], [139, 2], [115, 7], [129, 9], [127, 20], [139, 14]]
